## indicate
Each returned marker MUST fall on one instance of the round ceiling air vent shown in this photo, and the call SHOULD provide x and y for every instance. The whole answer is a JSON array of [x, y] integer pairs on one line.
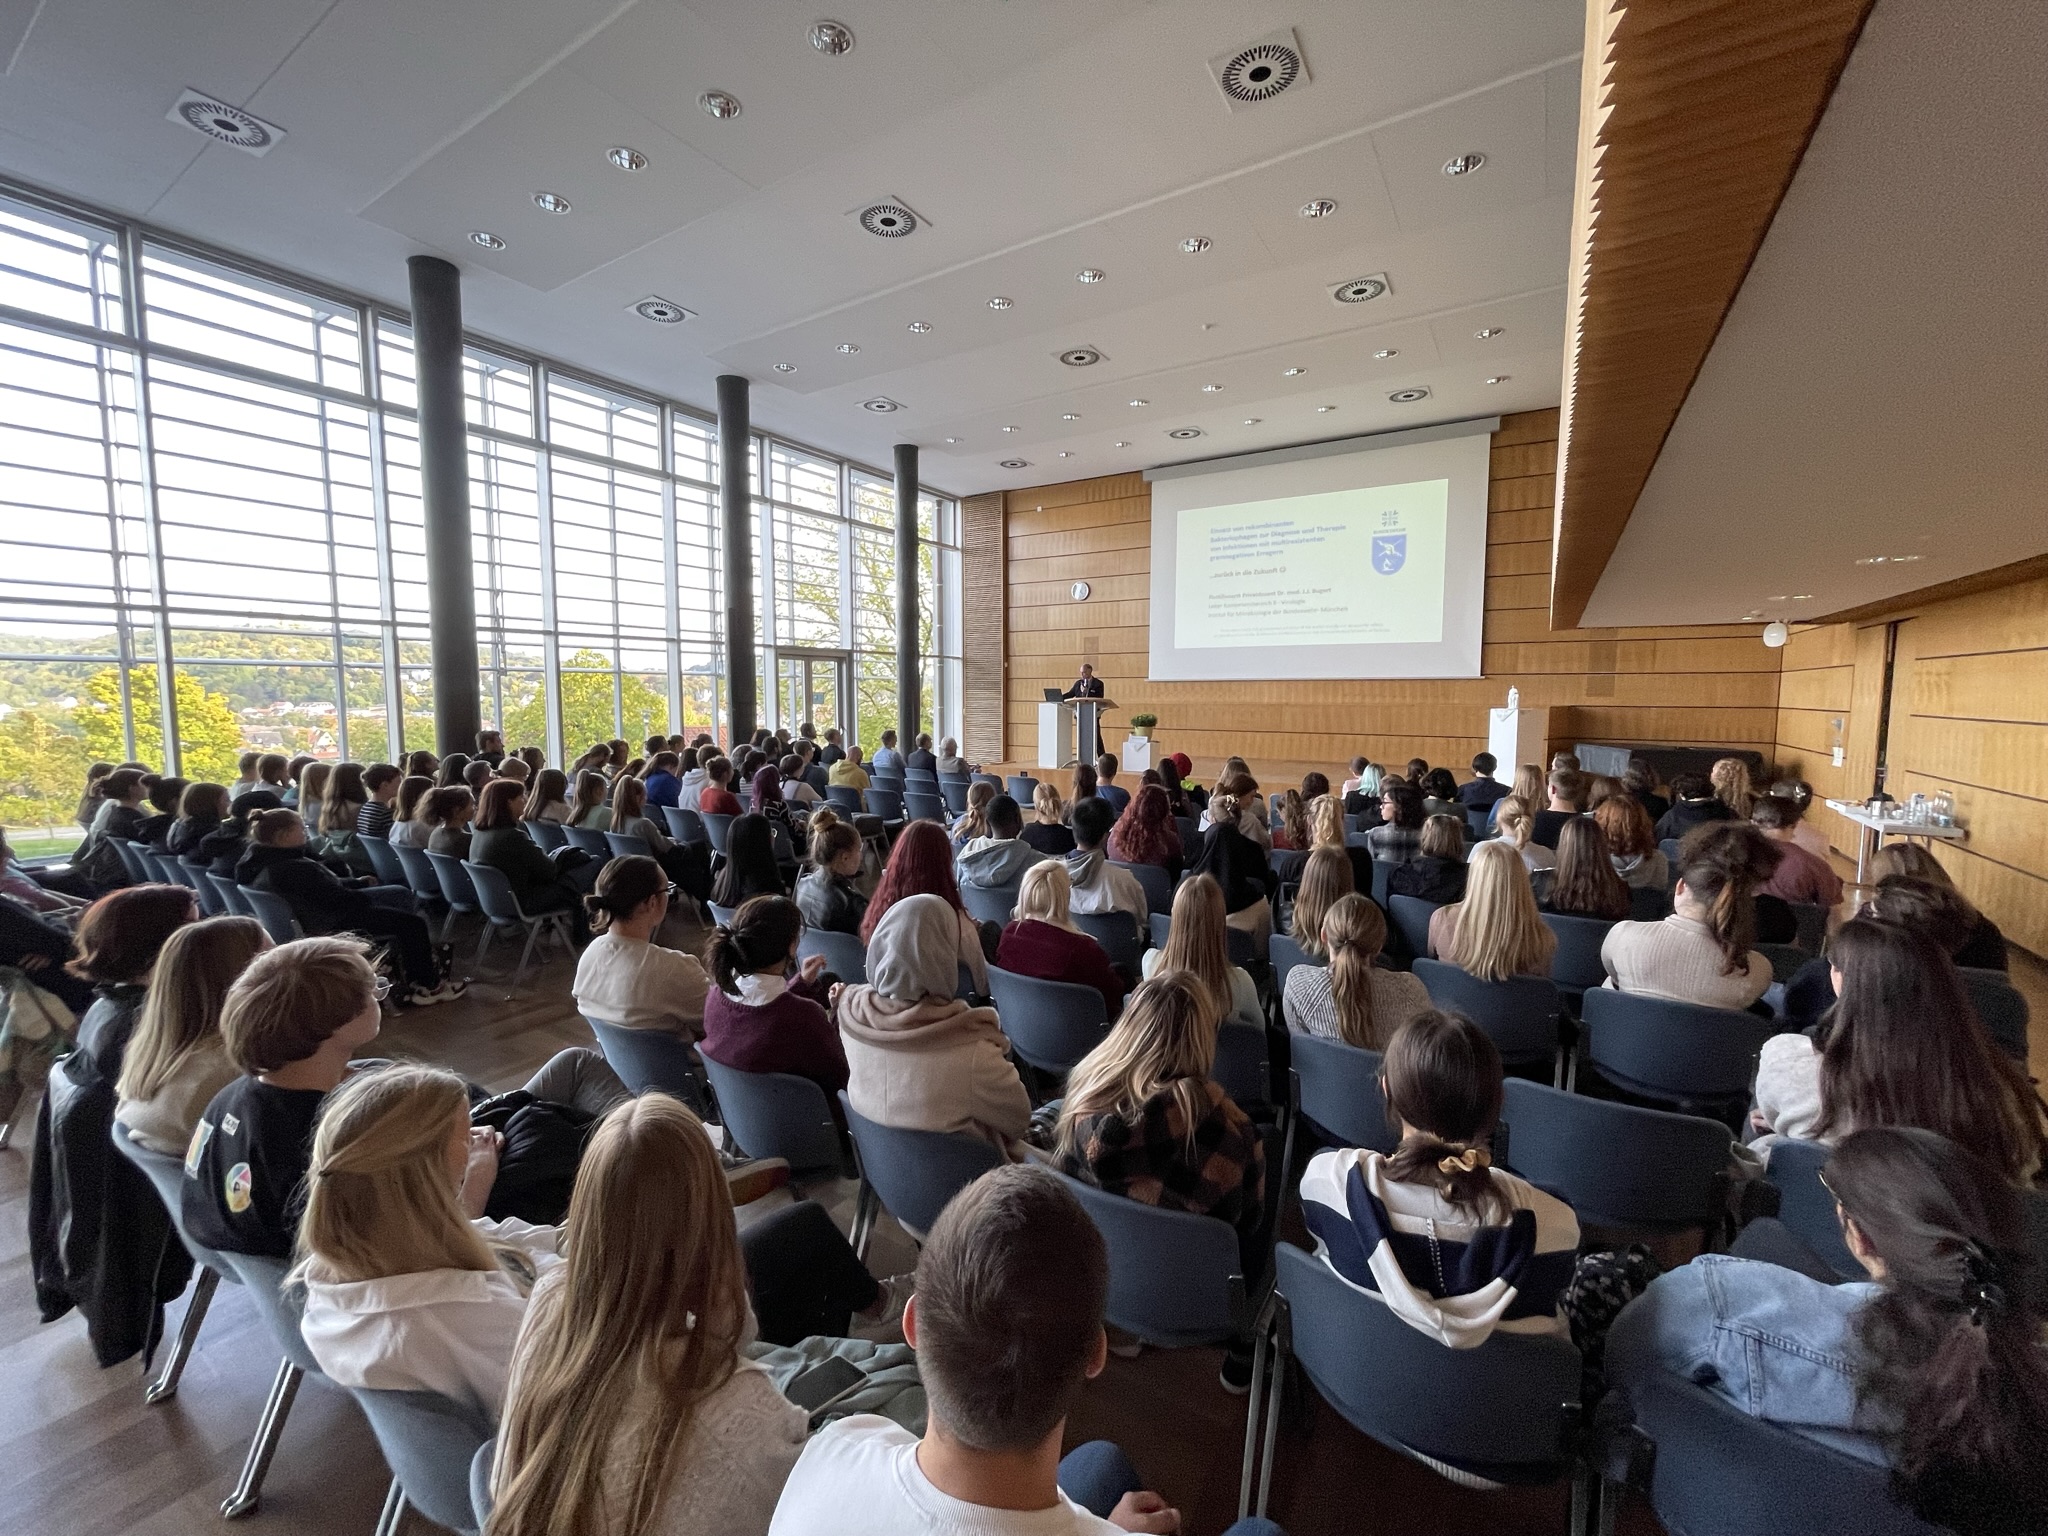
[[1080, 357], [1182, 434], [231, 125], [720, 104], [486, 239], [661, 311], [891, 221], [834, 39], [1408, 396], [1260, 72], [881, 405], [1360, 290], [1013, 463]]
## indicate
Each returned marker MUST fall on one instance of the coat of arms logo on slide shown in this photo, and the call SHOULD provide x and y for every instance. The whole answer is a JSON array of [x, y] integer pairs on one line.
[[1389, 552]]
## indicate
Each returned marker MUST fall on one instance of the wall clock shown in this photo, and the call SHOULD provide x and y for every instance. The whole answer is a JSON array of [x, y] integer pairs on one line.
[[1080, 591]]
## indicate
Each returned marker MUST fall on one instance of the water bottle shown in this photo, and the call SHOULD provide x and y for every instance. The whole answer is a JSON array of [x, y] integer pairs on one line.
[[1916, 810], [1944, 812], [1514, 698]]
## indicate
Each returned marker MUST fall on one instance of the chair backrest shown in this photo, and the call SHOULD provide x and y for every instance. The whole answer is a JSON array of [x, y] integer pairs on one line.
[[229, 894], [171, 869], [682, 825], [1477, 819], [1382, 874], [955, 793], [384, 860], [1117, 935], [1243, 1063], [210, 900], [1504, 1405], [989, 779], [652, 1059], [623, 844], [2002, 1007], [1620, 1165], [1170, 1272], [1577, 961], [1242, 948], [419, 872], [130, 854], [1190, 834], [1519, 1014], [715, 828], [458, 889], [1337, 1088], [428, 1442], [775, 1114], [1285, 955], [1669, 1050], [274, 913], [1805, 1206], [1812, 923], [1161, 925], [845, 956], [167, 1176], [843, 797], [1720, 1472], [914, 1173], [990, 903], [1411, 916], [1648, 904], [1787, 960], [925, 805], [548, 835], [885, 803], [589, 839], [1020, 787], [1154, 881], [1052, 1024], [279, 1306]]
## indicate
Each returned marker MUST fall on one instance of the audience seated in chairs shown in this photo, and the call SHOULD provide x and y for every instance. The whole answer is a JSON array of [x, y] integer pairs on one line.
[[177, 1059], [1352, 998], [1496, 931], [1197, 943], [750, 868], [547, 800], [972, 823], [1632, 844], [827, 895], [1585, 883], [161, 800], [1326, 879], [1517, 829], [591, 808], [1096, 885], [1440, 794], [1970, 937], [1240, 869], [1145, 833], [687, 864], [1398, 838], [766, 1012], [1483, 789], [623, 976], [448, 811], [717, 798], [1566, 789], [921, 1058], [1800, 875], [117, 815], [1901, 1046], [1933, 1366], [1700, 953], [540, 882], [1694, 804], [1437, 872], [1000, 858], [1043, 942], [201, 810], [921, 864], [1047, 831], [1292, 834], [380, 790]]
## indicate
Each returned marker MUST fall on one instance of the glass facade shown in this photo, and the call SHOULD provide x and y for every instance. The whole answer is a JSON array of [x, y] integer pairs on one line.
[[210, 514]]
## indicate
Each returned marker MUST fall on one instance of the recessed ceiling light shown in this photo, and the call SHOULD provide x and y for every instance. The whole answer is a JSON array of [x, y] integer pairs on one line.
[[834, 39], [550, 202], [1360, 290], [1323, 409], [952, 439], [1252, 421], [486, 239], [1887, 559], [1070, 416], [1089, 275], [1488, 332], [662, 311], [920, 327], [999, 302], [1013, 463], [881, 405], [1802, 597], [1408, 396], [1386, 352], [1212, 389], [1064, 454], [785, 367], [1013, 429], [1184, 433], [720, 104], [1292, 373], [1318, 208], [1121, 444], [1194, 245], [1464, 165], [849, 347], [626, 158], [1778, 599], [1500, 378], [1141, 402]]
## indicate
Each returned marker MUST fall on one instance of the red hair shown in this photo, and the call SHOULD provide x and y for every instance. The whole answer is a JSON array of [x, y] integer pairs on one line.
[[921, 864]]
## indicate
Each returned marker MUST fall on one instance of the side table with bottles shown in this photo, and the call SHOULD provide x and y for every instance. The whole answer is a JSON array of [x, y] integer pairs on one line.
[[1924, 818]]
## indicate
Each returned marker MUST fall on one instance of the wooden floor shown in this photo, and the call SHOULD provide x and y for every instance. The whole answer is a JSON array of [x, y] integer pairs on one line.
[[86, 1457]]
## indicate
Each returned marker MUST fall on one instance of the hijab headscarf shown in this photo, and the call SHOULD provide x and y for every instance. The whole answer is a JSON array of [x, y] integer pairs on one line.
[[767, 788], [1235, 862], [915, 950]]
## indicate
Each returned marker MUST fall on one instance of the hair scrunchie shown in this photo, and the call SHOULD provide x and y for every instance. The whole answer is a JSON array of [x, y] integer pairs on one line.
[[1471, 1160]]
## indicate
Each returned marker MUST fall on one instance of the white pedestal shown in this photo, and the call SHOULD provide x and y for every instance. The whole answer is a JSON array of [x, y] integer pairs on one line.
[[1136, 754], [1518, 736], [1055, 735]]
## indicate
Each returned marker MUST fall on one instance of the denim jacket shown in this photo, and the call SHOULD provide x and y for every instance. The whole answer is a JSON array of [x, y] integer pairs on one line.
[[1773, 1342]]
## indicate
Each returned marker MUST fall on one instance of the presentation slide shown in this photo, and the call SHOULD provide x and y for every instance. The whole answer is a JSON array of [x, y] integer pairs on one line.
[[1360, 558], [1343, 568]]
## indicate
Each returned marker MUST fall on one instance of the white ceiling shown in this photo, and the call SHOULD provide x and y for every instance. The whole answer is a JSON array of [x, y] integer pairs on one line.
[[1037, 137], [1880, 385]]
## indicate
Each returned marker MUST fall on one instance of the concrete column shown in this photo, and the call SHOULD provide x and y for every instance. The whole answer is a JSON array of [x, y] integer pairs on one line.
[[736, 532], [444, 501], [909, 689]]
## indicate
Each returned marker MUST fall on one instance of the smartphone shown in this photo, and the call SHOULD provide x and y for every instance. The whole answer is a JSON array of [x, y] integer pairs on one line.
[[824, 1385]]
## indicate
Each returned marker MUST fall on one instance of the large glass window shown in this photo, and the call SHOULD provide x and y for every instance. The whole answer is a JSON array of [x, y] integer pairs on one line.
[[211, 536]]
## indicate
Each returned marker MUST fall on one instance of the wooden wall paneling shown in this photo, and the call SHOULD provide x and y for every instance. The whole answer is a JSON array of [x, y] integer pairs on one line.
[[984, 609]]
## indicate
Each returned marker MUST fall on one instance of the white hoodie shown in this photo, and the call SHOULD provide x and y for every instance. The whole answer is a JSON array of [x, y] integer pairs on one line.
[[689, 787]]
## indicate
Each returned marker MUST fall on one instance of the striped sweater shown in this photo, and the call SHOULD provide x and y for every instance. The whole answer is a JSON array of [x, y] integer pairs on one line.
[[1443, 1271]]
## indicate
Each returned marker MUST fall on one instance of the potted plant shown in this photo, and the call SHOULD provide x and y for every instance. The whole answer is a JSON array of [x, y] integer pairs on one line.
[[1141, 724]]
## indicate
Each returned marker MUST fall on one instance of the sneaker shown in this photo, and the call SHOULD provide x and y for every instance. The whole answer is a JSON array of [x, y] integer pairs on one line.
[[426, 997], [1236, 1375], [747, 1180], [883, 1323]]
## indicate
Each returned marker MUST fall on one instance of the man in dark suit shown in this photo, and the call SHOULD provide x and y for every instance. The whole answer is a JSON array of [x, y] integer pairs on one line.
[[1088, 686]]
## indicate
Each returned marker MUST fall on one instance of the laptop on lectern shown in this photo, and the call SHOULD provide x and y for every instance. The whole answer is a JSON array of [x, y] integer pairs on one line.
[[1053, 695]]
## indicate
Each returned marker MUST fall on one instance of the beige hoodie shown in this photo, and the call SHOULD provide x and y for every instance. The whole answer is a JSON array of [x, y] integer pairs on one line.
[[932, 1065]]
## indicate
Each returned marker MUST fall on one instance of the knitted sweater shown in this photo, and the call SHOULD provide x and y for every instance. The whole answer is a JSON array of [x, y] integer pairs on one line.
[[789, 1033], [1678, 958]]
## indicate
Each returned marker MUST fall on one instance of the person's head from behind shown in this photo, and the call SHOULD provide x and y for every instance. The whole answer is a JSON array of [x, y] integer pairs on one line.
[[1516, 821], [1912, 860], [245, 766], [835, 845], [514, 770], [453, 770], [1163, 1042], [1925, 906], [448, 806], [1442, 1078], [652, 1296], [1567, 788], [1500, 932], [1047, 809], [1326, 822], [382, 1187], [1774, 817], [750, 867], [631, 889], [1443, 835], [1417, 770], [204, 802], [1639, 778], [1084, 781], [760, 940], [381, 781], [1695, 787], [1798, 791], [1093, 817], [550, 788], [719, 770], [163, 796], [120, 936], [126, 785], [500, 804], [1440, 784], [1401, 804], [921, 864], [293, 1001], [277, 829], [1326, 879], [1106, 767], [1626, 826], [476, 774], [629, 799], [1045, 895], [1720, 866], [271, 768], [1730, 778], [1586, 882], [197, 966], [1197, 939], [1006, 1318], [1483, 764], [1948, 1354], [1004, 819], [1353, 934], [1565, 760]]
